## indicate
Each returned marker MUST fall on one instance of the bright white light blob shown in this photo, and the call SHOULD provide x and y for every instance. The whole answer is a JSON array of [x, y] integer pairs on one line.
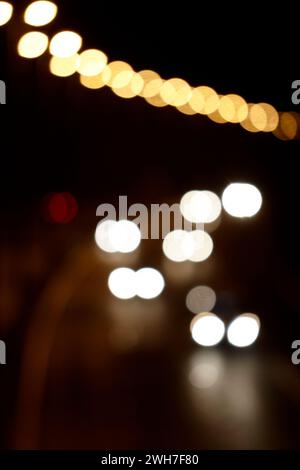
[[32, 44], [122, 283], [178, 246], [202, 245], [200, 299], [65, 44], [6, 11], [149, 283], [207, 329], [244, 330], [200, 206], [125, 236], [242, 200], [40, 13], [103, 236]]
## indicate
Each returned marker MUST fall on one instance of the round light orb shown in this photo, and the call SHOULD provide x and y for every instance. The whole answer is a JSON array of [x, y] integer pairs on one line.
[[103, 236], [149, 283], [200, 206], [32, 45], [202, 245], [207, 329], [122, 283], [65, 44], [201, 299], [178, 246], [6, 11], [40, 13], [91, 62], [244, 330], [125, 236], [242, 200]]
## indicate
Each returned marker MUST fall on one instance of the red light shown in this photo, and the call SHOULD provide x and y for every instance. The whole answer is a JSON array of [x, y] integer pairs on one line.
[[60, 208]]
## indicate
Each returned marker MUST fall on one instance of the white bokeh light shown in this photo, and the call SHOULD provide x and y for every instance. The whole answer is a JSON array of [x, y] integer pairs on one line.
[[202, 245], [207, 329], [40, 13], [200, 299], [244, 330], [178, 246], [125, 236], [241, 200], [149, 283], [6, 11], [65, 44], [103, 236], [200, 206], [122, 283]]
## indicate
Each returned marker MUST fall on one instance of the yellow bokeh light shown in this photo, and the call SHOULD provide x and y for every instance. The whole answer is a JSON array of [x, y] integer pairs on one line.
[[289, 125], [95, 82], [129, 84], [186, 109], [64, 67], [272, 117], [258, 117], [156, 101], [40, 13], [6, 11], [32, 44], [233, 108], [247, 123], [92, 62], [65, 44], [113, 69], [176, 92], [216, 117], [148, 76]]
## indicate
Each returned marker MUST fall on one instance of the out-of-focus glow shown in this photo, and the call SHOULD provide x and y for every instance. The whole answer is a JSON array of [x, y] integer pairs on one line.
[[60, 208], [149, 283], [103, 236], [125, 236], [149, 76], [204, 375], [6, 11], [178, 246], [64, 67], [200, 299], [94, 83], [127, 84], [244, 330], [216, 117], [122, 283], [200, 206], [176, 92], [247, 123], [289, 125], [65, 44], [258, 117], [113, 69], [207, 329], [156, 101], [40, 13], [186, 109], [241, 200], [202, 245], [92, 62], [204, 100], [32, 45], [272, 117], [233, 108]]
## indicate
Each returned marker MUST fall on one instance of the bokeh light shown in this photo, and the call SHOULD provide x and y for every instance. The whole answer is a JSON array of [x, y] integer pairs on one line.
[[244, 330], [125, 236], [241, 200], [175, 92], [178, 246], [32, 45], [103, 236], [64, 67], [65, 44], [233, 108], [204, 100], [207, 329], [200, 299], [200, 206], [59, 208], [91, 62], [202, 245], [40, 13], [6, 11], [149, 283], [95, 82], [204, 375], [122, 283]]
